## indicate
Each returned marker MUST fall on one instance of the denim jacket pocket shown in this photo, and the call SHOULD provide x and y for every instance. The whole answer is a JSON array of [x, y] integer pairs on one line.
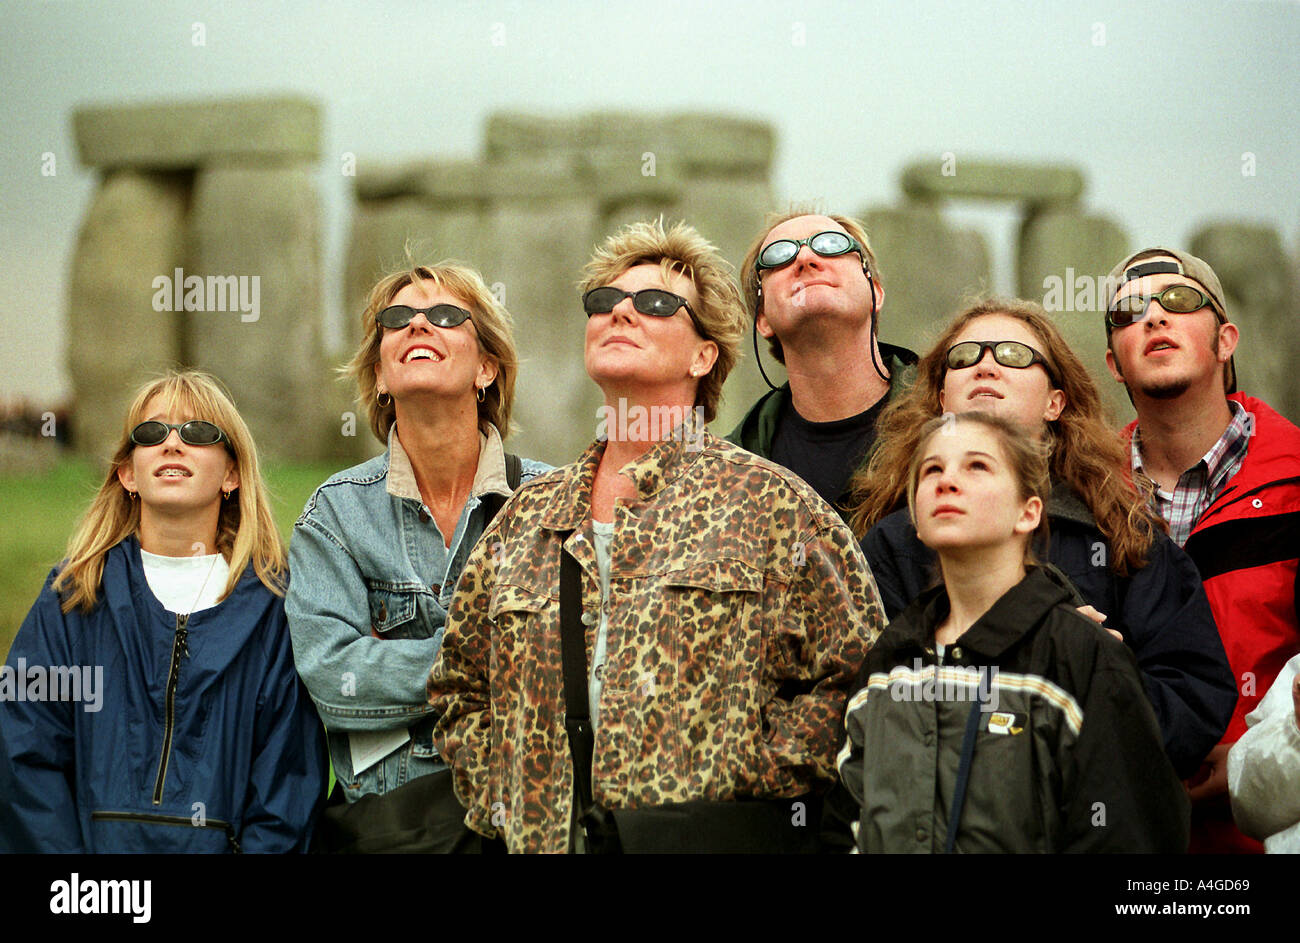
[[393, 611]]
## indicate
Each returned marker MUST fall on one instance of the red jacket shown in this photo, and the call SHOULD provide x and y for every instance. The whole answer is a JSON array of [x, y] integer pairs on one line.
[[1246, 546]]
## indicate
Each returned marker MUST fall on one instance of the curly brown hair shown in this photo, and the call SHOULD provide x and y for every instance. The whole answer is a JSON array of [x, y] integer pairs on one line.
[[1087, 454]]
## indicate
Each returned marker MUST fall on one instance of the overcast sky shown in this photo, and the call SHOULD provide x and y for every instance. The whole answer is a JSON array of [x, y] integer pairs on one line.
[[1157, 102]]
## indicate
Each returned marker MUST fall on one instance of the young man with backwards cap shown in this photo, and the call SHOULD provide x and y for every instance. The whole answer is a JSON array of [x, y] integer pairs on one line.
[[1226, 471]]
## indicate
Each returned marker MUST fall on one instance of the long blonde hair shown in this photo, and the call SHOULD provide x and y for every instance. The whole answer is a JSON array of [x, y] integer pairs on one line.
[[246, 532]]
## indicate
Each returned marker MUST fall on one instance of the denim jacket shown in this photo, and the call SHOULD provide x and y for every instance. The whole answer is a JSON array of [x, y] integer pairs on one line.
[[369, 560]]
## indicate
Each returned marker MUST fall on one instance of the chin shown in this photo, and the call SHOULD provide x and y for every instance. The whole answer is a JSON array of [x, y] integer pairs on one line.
[[1167, 389]]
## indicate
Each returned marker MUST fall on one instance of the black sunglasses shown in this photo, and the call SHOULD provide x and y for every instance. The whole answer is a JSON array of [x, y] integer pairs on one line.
[[397, 317], [194, 432], [652, 301], [1176, 299], [1007, 353], [826, 244]]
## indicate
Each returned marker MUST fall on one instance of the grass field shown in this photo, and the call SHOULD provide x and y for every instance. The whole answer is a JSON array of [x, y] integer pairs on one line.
[[40, 511]]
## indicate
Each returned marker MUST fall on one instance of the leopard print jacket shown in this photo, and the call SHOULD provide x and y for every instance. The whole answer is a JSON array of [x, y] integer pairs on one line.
[[740, 610]]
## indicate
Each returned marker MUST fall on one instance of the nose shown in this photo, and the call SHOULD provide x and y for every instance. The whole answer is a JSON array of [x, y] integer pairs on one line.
[[987, 365], [624, 310], [423, 324], [173, 440], [806, 256]]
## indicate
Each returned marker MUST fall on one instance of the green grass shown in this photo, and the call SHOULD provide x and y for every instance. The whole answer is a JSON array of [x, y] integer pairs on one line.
[[40, 511]]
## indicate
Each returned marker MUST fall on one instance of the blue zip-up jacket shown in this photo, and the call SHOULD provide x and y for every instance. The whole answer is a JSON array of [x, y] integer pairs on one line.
[[135, 729]]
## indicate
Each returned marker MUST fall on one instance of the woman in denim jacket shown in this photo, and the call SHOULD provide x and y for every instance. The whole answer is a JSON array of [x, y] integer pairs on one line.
[[377, 551]]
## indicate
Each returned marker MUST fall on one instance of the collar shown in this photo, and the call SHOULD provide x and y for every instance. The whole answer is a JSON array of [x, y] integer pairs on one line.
[[1230, 444], [1064, 503], [657, 469], [489, 475], [1017, 612]]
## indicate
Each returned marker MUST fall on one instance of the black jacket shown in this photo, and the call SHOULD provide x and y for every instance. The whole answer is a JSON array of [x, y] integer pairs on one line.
[[1067, 757], [1161, 610]]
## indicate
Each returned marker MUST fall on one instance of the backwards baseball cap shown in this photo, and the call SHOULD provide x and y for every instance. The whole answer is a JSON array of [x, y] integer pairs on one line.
[[1146, 262]]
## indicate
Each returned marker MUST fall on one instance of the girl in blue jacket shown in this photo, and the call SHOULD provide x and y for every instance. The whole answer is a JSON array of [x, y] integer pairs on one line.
[[149, 702]]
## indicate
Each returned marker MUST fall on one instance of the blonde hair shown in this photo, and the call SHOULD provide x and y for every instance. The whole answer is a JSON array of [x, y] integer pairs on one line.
[[493, 326], [1025, 455], [719, 316], [246, 532], [751, 279], [1087, 454]]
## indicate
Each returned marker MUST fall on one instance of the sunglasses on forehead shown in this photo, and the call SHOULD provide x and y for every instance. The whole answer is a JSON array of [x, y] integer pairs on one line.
[[1176, 299], [827, 244], [194, 432], [1008, 353], [396, 317], [652, 301]]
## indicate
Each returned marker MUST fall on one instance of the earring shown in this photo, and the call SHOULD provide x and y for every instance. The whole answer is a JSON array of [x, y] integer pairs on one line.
[[379, 398], [482, 393], [130, 494], [225, 496]]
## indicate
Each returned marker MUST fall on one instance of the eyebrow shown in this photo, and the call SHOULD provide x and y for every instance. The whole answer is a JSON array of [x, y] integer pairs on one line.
[[967, 454]]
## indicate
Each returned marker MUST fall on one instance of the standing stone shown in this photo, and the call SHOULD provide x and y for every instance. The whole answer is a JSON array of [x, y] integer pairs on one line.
[[535, 250], [928, 270], [133, 234], [1063, 258], [259, 224], [1259, 284]]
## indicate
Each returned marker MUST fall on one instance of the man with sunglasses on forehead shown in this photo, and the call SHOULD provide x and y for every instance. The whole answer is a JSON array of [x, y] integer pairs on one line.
[[813, 289], [1226, 474]]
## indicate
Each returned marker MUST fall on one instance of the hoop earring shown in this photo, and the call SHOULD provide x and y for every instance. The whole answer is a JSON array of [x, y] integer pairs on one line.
[[482, 393], [130, 494], [379, 399], [225, 495]]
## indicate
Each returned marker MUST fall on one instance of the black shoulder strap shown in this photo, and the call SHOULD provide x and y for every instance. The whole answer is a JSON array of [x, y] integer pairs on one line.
[[573, 651], [492, 503], [963, 773], [514, 470]]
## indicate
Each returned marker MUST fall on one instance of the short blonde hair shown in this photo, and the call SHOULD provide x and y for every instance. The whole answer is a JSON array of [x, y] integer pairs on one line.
[[681, 250], [492, 323], [246, 531], [750, 279]]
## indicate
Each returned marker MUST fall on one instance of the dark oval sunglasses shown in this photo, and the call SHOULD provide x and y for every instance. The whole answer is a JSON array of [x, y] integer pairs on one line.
[[1176, 299], [396, 317], [194, 432], [826, 244], [652, 301], [1008, 353]]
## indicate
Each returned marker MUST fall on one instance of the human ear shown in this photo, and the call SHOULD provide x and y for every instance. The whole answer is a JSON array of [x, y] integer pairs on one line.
[[1030, 515], [706, 355], [1113, 366], [126, 474], [1055, 406]]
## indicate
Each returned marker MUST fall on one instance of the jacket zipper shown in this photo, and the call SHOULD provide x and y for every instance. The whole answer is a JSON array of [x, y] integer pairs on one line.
[[179, 648], [159, 819]]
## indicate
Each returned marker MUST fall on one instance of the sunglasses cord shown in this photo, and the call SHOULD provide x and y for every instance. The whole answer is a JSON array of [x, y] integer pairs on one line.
[[758, 358]]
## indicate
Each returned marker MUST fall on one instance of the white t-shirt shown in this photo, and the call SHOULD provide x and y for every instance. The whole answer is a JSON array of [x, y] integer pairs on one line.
[[186, 584]]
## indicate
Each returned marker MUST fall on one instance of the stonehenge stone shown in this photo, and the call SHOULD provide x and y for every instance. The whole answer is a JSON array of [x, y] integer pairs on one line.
[[133, 234], [1062, 260], [260, 225], [184, 135], [533, 252], [928, 269], [992, 180], [1259, 286]]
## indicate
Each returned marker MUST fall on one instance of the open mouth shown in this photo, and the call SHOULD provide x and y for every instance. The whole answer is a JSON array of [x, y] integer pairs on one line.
[[422, 353], [984, 392], [173, 471]]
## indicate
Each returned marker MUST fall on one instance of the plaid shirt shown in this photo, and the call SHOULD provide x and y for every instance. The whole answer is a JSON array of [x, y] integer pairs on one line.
[[1200, 485]]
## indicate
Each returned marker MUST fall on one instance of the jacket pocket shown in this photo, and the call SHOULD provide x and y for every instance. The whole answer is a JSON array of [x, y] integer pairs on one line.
[[393, 612], [718, 652]]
